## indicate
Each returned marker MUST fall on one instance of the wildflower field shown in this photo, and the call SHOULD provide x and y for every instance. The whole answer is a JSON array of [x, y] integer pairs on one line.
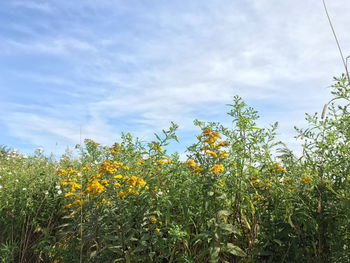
[[241, 196]]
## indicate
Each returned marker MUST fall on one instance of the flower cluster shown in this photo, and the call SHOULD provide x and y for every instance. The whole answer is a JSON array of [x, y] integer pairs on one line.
[[278, 168], [306, 179], [110, 167], [212, 148], [195, 168], [217, 169]]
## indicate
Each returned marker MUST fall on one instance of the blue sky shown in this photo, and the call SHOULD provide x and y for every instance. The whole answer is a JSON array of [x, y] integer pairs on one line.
[[134, 66]]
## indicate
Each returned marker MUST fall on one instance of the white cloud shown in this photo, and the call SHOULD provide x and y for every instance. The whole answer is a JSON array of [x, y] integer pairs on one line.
[[175, 61], [56, 46], [35, 5]]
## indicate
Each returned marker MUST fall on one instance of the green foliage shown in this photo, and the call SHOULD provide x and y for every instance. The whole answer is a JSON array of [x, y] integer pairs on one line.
[[29, 206], [232, 200]]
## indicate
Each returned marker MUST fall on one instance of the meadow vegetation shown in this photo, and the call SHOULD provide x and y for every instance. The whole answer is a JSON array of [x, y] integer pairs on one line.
[[241, 196]]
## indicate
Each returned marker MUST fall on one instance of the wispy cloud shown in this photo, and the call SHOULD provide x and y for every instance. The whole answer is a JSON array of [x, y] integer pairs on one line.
[[131, 66], [42, 6]]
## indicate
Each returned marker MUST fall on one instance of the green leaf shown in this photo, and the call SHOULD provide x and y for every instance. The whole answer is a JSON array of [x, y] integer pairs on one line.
[[229, 228], [235, 250], [223, 213], [279, 242]]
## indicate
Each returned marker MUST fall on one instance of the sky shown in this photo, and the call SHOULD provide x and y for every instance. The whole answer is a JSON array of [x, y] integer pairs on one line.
[[111, 66]]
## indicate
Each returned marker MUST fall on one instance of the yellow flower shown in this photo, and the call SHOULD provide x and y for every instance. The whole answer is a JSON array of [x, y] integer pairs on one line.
[[223, 154], [86, 168], [212, 153], [68, 206], [211, 137], [160, 162], [217, 168], [95, 187], [286, 180], [306, 179], [71, 195], [278, 167], [71, 171], [61, 172], [197, 170], [257, 197], [223, 143], [118, 176], [221, 184], [153, 219], [157, 229], [105, 182], [190, 163], [156, 146], [73, 186], [109, 167], [122, 194], [206, 147]]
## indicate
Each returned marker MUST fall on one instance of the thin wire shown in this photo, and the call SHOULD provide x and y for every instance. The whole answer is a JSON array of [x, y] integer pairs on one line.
[[336, 39], [81, 209]]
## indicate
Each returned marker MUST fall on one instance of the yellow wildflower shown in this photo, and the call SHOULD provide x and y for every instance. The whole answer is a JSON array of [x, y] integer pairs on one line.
[[286, 180], [223, 143], [206, 147], [190, 163], [217, 168], [122, 194], [160, 162], [62, 172], [197, 170], [68, 206], [306, 179], [109, 167], [86, 168], [105, 182], [212, 153], [95, 187], [71, 195], [223, 154], [118, 176], [257, 197]]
